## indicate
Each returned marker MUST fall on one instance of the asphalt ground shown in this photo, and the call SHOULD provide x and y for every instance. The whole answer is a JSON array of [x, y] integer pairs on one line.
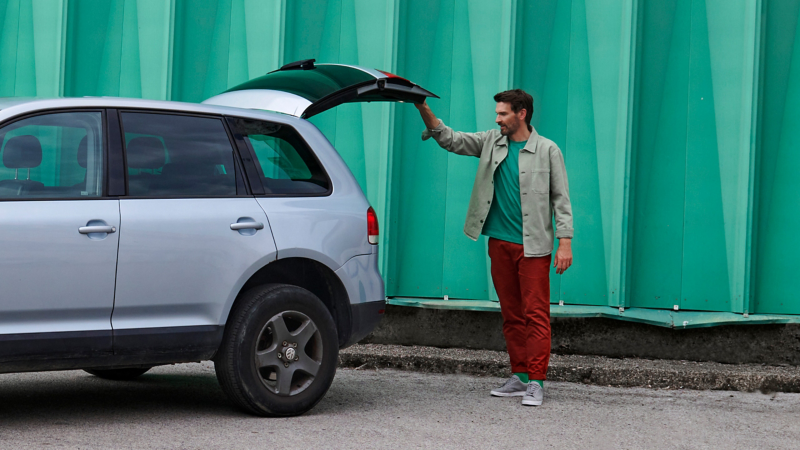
[[182, 406]]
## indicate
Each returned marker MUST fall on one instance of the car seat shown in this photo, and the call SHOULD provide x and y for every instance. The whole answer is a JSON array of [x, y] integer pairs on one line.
[[21, 152]]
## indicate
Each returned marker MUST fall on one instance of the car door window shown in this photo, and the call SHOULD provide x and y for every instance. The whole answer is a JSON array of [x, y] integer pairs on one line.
[[52, 156], [178, 156], [285, 162]]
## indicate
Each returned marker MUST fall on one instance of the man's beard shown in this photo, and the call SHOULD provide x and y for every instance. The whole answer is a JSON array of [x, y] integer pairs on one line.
[[508, 131]]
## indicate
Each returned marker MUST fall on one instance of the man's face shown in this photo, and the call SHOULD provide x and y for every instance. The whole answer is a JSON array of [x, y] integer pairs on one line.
[[508, 120]]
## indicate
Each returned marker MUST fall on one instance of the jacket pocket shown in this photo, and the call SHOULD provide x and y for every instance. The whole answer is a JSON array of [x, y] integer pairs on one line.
[[541, 181]]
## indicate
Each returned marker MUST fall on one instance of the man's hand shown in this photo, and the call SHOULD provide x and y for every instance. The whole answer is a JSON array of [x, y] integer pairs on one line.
[[563, 257], [427, 115]]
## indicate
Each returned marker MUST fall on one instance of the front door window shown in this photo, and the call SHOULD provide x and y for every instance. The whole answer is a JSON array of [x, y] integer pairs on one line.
[[52, 156]]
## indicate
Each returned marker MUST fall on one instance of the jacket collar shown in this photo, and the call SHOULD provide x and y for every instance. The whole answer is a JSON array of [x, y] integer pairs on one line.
[[530, 146]]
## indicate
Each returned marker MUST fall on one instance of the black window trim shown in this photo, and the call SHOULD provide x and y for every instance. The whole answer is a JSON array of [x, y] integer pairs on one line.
[[104, 127], [117, 175], [236, 161], [257, 166], [241, 175]]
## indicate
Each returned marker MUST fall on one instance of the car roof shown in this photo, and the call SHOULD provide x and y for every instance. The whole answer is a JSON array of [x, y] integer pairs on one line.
[[6, 102], [13, 106]]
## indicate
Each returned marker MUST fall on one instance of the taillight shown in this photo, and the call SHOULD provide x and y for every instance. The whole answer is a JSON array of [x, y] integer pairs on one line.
[[372, 226]]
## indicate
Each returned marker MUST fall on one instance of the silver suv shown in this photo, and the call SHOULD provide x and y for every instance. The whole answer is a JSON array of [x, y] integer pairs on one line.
[[136, 233]]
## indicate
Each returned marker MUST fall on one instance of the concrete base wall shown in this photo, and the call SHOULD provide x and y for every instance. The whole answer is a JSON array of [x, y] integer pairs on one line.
[[735, 344]]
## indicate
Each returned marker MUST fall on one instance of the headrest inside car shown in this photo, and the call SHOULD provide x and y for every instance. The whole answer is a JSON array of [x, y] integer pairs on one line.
[[22, 152], [82, 147], [146, 153]]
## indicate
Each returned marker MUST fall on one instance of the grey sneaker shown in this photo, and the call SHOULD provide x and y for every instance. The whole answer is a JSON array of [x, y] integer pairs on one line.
[[514, 387], [534, 395]]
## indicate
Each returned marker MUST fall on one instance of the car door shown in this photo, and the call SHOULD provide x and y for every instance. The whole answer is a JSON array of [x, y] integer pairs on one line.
[[59, 235], [191, 235], [304, 89]]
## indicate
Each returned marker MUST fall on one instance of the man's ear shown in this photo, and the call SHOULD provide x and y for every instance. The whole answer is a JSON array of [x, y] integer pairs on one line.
[[524, 115]]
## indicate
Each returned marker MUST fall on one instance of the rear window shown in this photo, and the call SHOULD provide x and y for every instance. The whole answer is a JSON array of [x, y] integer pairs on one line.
[[285, 162], [313, 84]]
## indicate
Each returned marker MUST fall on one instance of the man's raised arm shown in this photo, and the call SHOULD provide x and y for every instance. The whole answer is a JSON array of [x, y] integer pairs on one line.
[[427, 115], [469, 144]]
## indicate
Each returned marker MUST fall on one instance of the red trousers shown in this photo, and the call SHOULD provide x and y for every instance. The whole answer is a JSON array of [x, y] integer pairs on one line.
[[523, 286]]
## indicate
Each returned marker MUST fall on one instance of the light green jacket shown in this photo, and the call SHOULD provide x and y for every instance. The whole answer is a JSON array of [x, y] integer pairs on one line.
[[543, 186]]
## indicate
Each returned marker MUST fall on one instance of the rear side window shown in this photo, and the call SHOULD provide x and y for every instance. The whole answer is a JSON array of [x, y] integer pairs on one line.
[[285, 163], [52, 156], [177, 156]]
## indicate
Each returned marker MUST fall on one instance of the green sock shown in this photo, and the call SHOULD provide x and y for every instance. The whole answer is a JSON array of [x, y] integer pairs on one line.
[[541, 382], [522, 376]]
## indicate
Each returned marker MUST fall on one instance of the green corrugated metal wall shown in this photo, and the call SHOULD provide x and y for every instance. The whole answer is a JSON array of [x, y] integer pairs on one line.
[[676, 118]]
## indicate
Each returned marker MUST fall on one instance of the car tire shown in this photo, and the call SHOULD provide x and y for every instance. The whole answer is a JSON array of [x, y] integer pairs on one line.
[[279, 351], [118, 374]]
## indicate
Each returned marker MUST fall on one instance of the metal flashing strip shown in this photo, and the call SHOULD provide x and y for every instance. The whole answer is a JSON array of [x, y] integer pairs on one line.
[[662, 318]]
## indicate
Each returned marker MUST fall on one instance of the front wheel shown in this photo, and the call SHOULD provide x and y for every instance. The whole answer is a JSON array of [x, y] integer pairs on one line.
[[279, 353]]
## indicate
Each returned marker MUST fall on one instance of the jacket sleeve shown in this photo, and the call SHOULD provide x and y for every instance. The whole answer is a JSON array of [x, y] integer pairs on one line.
[[469, 144], [559, 194]]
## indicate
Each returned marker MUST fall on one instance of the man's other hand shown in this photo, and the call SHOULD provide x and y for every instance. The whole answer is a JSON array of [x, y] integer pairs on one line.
[[563, 257]]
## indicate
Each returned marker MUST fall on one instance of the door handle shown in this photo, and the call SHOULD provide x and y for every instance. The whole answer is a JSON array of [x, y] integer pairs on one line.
[[97, 229], [247, 226]]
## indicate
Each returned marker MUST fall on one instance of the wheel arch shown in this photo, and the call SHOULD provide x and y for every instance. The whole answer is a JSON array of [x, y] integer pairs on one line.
[[308, 274]]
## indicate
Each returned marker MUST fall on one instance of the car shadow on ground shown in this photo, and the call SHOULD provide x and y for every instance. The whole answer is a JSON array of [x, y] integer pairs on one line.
[[49, 398], [77, 398]]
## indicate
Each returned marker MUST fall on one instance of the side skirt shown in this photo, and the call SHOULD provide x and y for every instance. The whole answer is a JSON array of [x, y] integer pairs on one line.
[[93, 350]]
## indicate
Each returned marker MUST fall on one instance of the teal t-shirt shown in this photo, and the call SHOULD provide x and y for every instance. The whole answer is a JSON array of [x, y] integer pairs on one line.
[[504, 221]]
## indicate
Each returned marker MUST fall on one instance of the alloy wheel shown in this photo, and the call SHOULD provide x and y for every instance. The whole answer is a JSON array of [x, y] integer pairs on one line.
[[288, 353]]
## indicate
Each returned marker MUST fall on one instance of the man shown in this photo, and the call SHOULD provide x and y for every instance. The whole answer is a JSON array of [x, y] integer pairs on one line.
[[520, 184]]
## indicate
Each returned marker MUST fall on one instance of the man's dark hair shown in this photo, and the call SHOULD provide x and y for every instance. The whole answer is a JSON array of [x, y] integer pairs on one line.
[[518, 99]]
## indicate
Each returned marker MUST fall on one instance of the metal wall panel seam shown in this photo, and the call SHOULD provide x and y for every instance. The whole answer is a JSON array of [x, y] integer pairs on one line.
[[565, 149], [122, 49], [167, 94], [751, 299], [507, 44], [281, 34], [13, 62], [63, 48], [234, 31], [386, 188], [747, 158], [446, 168], [618, 292], [686, 164]]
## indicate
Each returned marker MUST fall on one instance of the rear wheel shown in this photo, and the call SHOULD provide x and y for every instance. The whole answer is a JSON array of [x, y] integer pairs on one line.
[[279, 353], [118, 374]]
